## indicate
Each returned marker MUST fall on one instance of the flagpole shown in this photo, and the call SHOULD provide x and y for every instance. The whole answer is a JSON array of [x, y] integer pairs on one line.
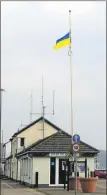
[[70, 57], [70, 61]]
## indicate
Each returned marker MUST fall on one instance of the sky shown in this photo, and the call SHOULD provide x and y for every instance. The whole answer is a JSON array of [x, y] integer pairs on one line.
[[29, 31]]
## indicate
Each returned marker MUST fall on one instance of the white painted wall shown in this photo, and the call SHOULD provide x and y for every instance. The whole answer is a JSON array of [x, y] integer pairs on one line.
[[35, 133], [28, 168], [18, 170], [7, 168], [42, 166], [31, 135]]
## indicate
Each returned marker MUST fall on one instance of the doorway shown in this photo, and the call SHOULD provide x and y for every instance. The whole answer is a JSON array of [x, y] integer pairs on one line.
[[52, 170], [62, 166]]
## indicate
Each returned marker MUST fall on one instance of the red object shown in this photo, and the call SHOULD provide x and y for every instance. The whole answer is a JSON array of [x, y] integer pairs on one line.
[[101, 174], [88, 185], [72, 183]]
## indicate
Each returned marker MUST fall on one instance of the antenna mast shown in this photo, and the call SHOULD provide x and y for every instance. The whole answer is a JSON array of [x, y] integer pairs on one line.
[[22, 125], [53, 101], [42, 91], [31, 103], [43, 109]]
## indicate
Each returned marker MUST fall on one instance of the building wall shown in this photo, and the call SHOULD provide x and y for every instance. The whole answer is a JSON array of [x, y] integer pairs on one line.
[[7, 168], [31, 135], [42, 166], [14, 160], [28, 168], [35, 133], [18, 171]]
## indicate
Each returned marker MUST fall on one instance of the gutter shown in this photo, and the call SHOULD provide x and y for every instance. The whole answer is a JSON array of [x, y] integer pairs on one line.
[[32, 152]]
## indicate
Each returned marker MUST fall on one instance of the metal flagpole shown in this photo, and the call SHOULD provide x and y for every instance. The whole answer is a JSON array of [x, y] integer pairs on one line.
[[70, 53], [43, 109], [70, 57]]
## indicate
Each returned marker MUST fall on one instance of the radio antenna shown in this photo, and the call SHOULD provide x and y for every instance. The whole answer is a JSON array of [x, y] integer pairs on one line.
[[43, 109]]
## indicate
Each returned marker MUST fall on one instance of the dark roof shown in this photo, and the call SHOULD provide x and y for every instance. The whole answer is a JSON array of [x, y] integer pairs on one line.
[[58, 143], [33, 123]]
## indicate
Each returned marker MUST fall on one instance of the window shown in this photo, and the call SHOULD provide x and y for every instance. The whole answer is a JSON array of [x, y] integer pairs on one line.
[[22, 141]]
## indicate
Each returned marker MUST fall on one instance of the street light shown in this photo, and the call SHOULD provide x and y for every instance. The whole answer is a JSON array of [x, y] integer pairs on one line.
[[1, 90]]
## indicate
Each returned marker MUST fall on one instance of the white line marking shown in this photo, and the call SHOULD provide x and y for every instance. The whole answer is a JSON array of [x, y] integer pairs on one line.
[[7, 185], [103, 187]]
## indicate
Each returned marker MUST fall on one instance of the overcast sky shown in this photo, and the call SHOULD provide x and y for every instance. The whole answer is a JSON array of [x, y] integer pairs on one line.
[[28, 34]]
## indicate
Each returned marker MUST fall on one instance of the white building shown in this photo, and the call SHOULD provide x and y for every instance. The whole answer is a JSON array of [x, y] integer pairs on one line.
[[46, 158]]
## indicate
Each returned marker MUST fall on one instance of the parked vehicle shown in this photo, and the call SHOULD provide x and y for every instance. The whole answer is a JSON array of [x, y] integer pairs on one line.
[[101, 174]]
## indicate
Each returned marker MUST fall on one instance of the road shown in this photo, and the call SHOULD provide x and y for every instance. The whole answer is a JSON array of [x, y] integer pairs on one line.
[[9, 187]]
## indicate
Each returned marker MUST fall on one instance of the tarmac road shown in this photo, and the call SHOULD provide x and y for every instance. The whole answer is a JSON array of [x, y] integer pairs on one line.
[[9, 187]]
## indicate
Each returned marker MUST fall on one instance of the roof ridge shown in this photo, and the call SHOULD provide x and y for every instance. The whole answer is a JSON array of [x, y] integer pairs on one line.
[[47, 144], [81, 141], [63, 132], [36, 143], [34, 122]]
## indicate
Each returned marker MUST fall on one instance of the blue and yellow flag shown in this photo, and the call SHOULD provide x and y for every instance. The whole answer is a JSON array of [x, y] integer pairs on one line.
[[62, 42]]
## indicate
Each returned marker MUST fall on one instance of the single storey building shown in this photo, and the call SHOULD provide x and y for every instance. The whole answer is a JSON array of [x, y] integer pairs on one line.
[[47, 158]]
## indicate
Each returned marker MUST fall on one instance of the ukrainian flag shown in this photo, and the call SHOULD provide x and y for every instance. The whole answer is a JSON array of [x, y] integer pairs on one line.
[[62, 42]]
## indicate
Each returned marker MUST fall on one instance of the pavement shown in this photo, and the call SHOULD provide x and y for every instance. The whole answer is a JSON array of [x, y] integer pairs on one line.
[[101, 189], [9, 187]]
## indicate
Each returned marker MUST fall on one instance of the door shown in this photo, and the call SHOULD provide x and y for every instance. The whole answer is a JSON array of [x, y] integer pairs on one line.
[[52, 170], [62, 168]]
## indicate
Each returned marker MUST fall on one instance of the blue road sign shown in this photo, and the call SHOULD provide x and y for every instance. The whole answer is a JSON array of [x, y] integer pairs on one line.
[[76, 139]]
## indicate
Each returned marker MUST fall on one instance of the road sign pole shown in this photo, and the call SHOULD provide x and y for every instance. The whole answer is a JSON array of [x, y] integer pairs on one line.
[[75, 173], [76, 140]]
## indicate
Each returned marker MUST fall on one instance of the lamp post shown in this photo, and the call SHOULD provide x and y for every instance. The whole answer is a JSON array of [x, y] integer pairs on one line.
[[1, 90]]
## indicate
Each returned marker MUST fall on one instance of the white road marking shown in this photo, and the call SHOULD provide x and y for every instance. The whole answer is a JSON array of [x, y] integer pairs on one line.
[[7, 185], [103, 187]]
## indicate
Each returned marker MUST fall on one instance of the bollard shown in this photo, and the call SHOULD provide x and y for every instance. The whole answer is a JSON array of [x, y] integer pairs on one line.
[[64, 178], [92, 174], [85, 168], [88, 172], [68, 163], [36, 179]]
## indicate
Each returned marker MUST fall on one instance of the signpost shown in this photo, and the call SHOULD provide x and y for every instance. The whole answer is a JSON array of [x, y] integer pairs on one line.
[[75, 147], [76, 141]]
